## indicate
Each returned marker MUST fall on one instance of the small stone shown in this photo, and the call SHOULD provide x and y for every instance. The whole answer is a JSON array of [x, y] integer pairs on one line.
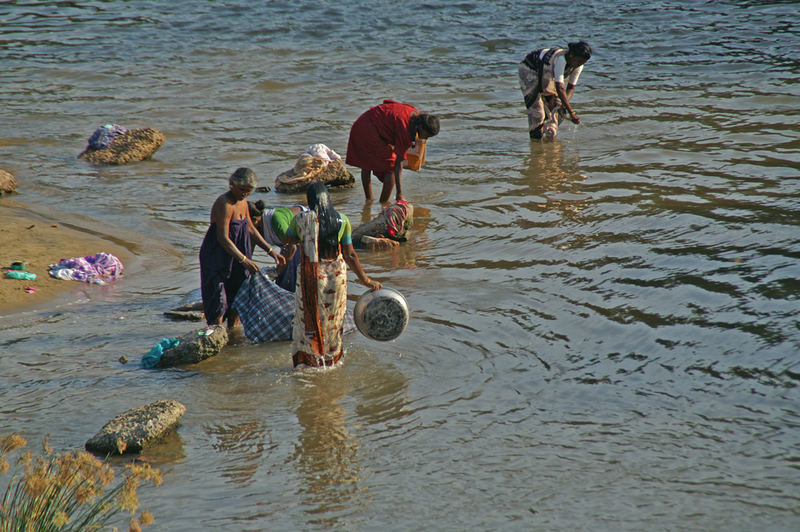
[[7, 183], [123, 359]]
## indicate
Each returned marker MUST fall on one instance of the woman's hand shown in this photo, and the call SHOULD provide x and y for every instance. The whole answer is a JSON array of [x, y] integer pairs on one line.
[[249, 265], [372, 285], [280, 260], [574, 118]]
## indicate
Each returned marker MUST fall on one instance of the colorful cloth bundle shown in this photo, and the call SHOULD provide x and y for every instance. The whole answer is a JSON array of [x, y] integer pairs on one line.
[[98, 269], [104, 135], [396, 215]]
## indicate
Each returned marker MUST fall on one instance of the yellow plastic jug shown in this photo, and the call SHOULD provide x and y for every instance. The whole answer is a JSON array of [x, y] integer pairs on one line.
[[415, 156]]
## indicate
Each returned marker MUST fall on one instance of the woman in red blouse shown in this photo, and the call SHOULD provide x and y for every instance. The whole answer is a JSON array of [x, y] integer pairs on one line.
[[379, 140]]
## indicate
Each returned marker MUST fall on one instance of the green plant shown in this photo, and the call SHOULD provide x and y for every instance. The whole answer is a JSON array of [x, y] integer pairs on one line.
[[70, 491]]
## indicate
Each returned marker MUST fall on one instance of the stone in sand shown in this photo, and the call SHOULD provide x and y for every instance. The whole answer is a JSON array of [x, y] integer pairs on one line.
[[7, 183], [133, 145], [130, 431], [195, 347], [309, 169]]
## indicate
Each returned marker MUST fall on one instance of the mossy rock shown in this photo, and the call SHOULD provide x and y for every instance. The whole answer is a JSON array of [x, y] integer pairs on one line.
[[132, 430], [133, 145], [194, 347]]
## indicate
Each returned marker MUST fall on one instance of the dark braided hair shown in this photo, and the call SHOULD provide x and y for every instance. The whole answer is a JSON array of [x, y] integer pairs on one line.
[[319, 201]]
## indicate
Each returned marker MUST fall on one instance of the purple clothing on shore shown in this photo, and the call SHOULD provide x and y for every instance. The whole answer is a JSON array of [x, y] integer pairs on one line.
[[221, 275]]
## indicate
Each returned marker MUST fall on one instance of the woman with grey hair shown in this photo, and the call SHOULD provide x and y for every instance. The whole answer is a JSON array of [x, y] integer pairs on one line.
[[226, 252]]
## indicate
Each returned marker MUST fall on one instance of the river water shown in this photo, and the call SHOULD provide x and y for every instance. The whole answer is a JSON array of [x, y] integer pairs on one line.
[[605, 329]]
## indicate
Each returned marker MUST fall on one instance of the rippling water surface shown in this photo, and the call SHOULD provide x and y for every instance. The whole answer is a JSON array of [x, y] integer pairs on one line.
[[605, 329]]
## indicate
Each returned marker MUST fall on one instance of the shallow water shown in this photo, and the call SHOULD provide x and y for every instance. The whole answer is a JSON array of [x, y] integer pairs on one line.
[[604, 329]]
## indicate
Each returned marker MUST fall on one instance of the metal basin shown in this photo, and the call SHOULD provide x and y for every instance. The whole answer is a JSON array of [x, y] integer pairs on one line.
[[381, 315]]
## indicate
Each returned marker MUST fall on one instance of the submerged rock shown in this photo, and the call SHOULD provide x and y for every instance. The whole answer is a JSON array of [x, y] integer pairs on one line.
[[130, 431], [190, 312], [310, 169], [195, 347], [133, 145], [7, 183]]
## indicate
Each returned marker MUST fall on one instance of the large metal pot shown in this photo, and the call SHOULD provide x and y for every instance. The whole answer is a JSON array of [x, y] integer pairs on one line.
[[381, 315]]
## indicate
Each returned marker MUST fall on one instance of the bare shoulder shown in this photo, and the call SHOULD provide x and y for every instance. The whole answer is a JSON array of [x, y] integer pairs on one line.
[[222, 206]]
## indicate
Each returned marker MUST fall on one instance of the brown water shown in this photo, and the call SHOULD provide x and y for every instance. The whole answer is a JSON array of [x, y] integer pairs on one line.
[[605, 329]]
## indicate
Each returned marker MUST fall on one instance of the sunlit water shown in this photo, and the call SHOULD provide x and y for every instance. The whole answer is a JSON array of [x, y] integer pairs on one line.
[[605, 329]]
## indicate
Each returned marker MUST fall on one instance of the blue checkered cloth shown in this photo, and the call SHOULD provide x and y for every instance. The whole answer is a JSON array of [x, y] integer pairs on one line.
[[267, 310]]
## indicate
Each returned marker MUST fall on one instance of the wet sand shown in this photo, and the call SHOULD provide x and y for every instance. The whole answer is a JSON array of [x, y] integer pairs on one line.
[[31, 236]]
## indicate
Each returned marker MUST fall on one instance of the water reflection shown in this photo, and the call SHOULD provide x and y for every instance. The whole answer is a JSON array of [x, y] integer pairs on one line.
[[326, 452], [552, 174], [166, 451], [332, 450], [245, 443]]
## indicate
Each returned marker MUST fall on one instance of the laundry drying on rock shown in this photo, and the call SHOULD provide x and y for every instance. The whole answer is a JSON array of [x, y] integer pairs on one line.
[[95, 269], [318, 163], [113, 144]]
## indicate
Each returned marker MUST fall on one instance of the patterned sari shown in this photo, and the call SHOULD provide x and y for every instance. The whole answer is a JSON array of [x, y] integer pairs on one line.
[[320, 300]]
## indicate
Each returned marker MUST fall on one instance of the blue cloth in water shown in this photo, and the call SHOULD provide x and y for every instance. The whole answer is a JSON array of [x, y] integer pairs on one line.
[[153, 357], [266, 310]]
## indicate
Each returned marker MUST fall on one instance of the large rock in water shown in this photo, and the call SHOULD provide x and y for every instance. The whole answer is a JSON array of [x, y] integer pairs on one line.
[[133, 145], [7, 183], [195, 347], [309, 169], [130, 431], [386, 229]]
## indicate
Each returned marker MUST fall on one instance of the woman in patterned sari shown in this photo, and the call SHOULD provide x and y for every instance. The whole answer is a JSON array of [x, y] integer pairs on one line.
[[325, 244]]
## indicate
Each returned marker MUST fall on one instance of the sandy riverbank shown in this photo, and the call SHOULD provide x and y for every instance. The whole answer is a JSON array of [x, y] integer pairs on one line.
[[40, 241]]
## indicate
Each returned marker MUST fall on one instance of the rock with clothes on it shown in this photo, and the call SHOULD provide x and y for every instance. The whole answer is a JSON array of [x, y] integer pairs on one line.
[[7, 183], [309, 169], [130, 146], [195, 347], [132, 430], [387, 229]]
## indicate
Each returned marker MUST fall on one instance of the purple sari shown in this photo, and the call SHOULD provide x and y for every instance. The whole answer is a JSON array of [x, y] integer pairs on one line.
[[221, 275]]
